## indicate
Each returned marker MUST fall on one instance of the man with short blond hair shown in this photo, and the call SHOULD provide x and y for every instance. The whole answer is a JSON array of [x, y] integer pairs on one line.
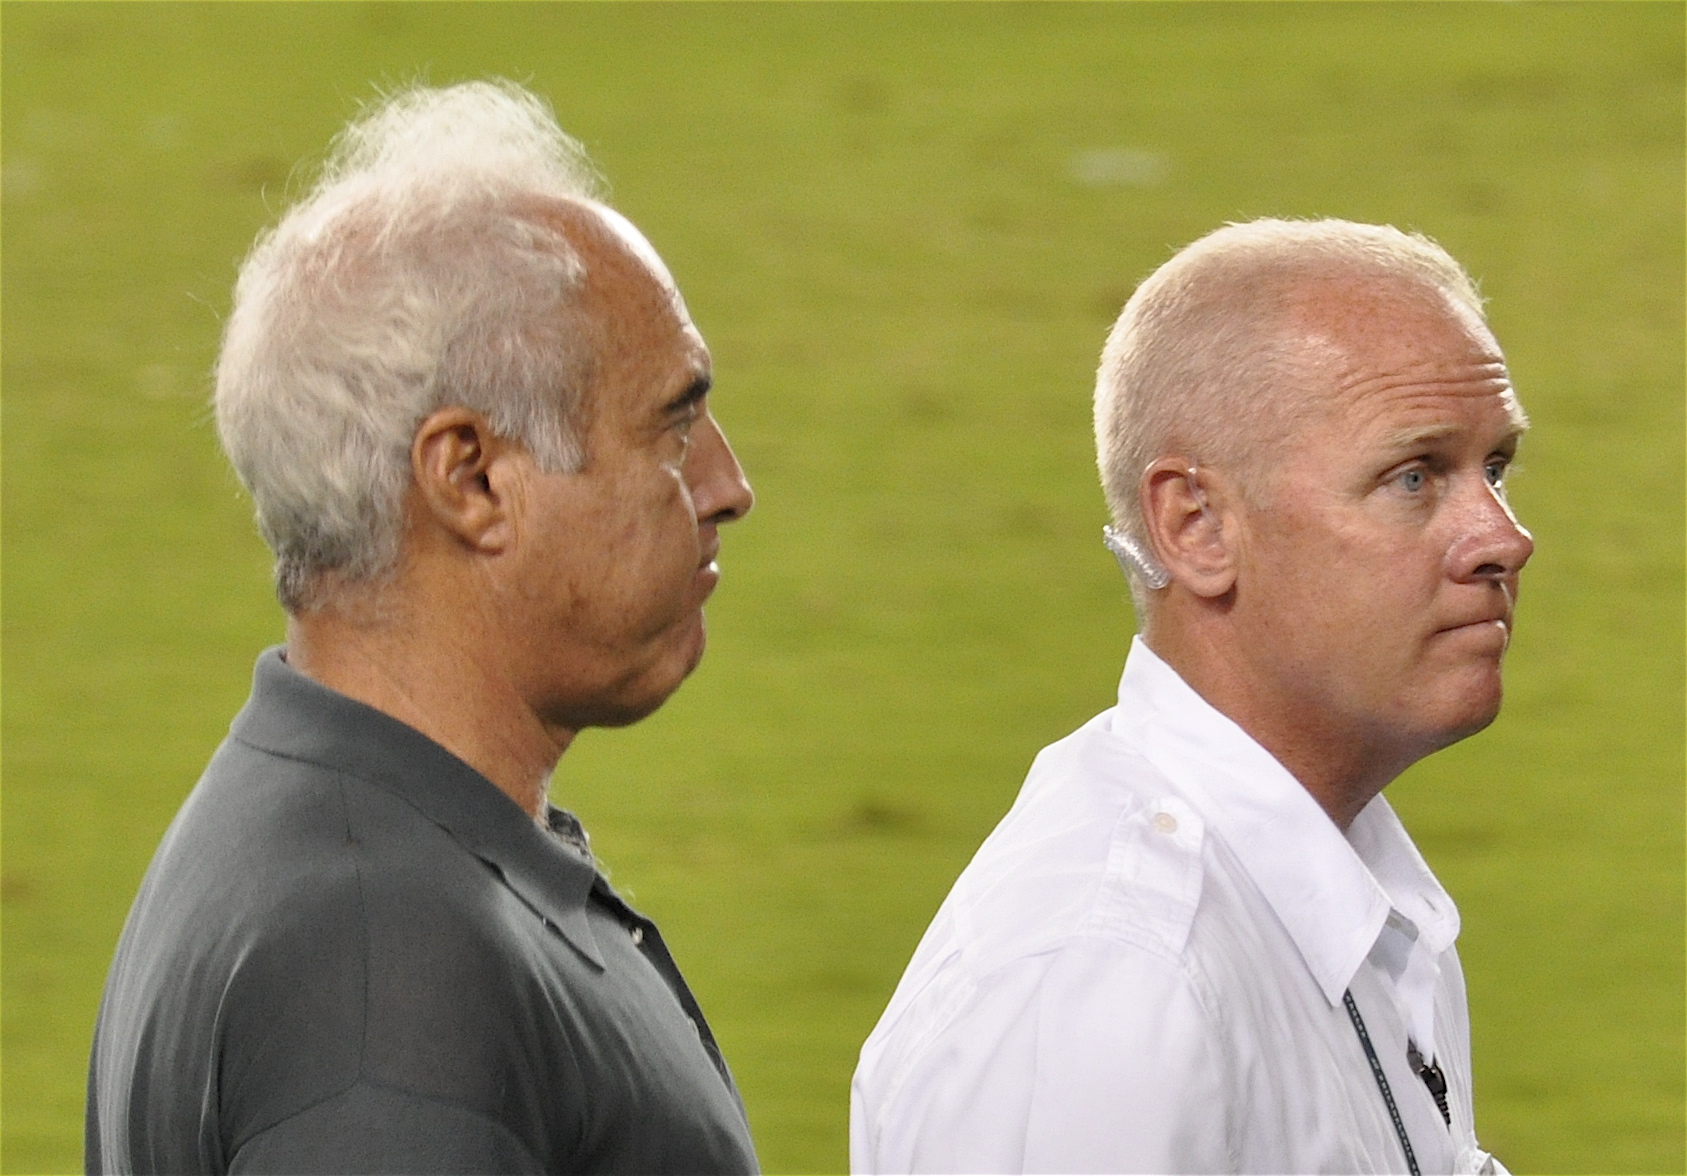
[[1201, 941]]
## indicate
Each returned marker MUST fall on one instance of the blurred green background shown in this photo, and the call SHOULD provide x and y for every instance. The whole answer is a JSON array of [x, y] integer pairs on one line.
[[904, 230]]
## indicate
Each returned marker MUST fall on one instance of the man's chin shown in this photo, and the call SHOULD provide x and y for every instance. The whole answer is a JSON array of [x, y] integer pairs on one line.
[[1469, 709], [689, 652], [642, 695]]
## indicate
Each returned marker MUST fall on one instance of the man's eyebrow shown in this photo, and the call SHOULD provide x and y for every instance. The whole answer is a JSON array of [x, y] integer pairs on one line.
[[694, 392], [1412, 438]]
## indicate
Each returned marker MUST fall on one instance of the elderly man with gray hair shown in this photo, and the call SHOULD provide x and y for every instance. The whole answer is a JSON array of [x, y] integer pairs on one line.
[[1201, 941], [471, 409]]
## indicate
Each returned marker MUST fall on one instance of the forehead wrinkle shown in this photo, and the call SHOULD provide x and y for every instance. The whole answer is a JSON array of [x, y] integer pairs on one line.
[[1354, 390], [1355, 393], [1469, 378]]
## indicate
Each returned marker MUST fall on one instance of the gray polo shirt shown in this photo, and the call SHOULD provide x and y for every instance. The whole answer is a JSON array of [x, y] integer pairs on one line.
[[353, 953]]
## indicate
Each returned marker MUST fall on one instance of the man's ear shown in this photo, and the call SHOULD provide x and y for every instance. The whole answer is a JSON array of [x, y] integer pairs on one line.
[[1185, 510], [462, 478]]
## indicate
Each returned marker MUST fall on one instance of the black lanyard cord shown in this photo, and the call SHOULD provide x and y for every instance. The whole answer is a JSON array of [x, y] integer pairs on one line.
[[1382, 1081]]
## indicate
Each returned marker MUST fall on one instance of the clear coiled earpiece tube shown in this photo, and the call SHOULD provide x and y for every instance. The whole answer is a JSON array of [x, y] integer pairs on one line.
[[1134, 557]]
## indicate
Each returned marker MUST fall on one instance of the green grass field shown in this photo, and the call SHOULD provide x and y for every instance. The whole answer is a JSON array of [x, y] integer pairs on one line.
[[904, 230]]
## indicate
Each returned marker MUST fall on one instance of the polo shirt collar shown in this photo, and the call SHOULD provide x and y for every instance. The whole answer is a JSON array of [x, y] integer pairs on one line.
[[297, 717], [1333, 894]]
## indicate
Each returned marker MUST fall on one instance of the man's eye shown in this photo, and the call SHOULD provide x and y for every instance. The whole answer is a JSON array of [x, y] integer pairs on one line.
[[1411, 481], [1494, 471]]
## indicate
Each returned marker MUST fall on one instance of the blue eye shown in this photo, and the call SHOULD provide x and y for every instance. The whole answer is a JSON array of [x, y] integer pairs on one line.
[[1494, 471], [1411, 480]]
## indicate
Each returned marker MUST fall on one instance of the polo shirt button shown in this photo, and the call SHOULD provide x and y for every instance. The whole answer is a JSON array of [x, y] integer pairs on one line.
[[638, 936], [1165, 823]]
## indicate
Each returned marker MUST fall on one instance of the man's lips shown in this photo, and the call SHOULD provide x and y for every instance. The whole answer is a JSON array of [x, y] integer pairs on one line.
[[1486, 619], [707, 575], [1490, 623]]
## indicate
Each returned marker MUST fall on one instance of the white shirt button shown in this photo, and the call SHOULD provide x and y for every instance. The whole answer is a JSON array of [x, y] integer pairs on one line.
[[1165, 823], [638, 936]]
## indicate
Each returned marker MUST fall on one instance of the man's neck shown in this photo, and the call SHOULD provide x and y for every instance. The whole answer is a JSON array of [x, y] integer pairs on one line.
[[439, 684], [1336, 767]]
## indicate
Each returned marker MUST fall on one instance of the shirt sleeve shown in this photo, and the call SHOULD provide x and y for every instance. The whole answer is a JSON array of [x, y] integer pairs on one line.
[[1129, 1076], [1095, 1058], [374, 1128]]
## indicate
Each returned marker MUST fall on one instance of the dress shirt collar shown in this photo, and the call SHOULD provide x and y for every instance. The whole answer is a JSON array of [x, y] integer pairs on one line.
[[297, 717], [1333, 894]]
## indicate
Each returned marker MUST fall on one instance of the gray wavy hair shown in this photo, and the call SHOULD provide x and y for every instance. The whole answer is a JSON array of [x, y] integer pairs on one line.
[[1199, 358], [417, 273]]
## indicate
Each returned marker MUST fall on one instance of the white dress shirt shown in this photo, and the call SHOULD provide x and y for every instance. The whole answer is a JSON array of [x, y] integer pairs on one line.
[[1143, 969]]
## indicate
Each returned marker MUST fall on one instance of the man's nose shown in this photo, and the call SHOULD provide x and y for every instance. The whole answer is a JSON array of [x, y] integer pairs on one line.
[[1494, 545], [719, 490]]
